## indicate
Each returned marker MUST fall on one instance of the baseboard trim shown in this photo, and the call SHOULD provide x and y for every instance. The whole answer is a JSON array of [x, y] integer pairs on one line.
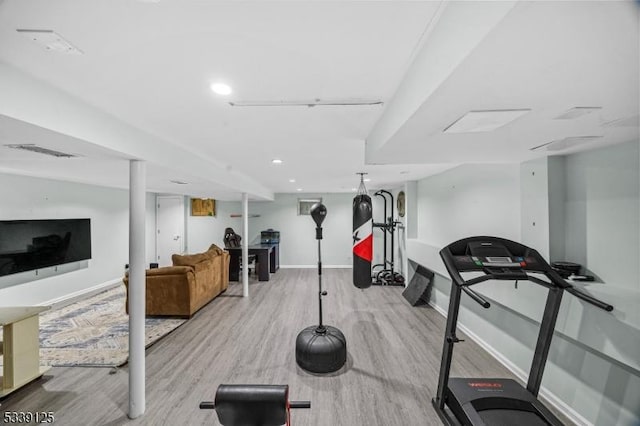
[[67, 299], [315, 266], [545, 394]]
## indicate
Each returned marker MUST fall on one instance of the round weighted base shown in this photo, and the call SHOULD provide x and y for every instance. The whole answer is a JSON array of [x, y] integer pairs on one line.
[[321, 349]]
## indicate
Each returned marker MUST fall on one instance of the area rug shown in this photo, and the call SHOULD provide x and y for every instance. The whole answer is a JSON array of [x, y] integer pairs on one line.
[[94, 332]]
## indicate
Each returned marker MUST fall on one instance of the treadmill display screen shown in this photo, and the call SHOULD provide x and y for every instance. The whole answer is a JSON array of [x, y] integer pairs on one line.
[[498, 259]]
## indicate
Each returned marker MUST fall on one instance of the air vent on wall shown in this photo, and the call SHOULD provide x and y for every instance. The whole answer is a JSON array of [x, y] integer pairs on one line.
[[40, 150], [308, 103], [562, 144]]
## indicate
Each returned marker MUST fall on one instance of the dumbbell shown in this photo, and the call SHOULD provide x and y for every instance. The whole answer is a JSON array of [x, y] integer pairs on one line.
[[255, 405]]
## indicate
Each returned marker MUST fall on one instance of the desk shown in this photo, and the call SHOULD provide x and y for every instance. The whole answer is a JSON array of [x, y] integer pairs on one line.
[[267, 254], [21, 347]]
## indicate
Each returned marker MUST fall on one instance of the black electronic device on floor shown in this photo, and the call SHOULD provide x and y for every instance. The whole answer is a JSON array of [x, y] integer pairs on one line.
[[482, 401]]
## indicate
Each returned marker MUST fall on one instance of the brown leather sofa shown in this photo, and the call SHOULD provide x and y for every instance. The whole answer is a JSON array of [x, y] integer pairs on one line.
[[192, 282]]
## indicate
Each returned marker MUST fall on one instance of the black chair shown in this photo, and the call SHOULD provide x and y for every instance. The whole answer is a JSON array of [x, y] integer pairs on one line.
[[232, 240]]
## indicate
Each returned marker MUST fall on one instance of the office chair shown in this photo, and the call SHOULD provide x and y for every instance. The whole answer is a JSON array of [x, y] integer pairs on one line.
[[232, 240]]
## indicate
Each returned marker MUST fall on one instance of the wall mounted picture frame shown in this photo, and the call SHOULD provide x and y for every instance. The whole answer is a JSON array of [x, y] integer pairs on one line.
[[203, 207]]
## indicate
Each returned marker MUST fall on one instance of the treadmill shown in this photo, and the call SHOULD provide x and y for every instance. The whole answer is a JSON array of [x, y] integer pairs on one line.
[[491, 401]]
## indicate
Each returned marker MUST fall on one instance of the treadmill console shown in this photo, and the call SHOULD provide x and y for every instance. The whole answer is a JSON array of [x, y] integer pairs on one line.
[[493, 257]]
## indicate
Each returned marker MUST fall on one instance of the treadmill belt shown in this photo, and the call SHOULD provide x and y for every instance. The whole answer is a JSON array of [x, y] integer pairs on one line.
[[511, 418]]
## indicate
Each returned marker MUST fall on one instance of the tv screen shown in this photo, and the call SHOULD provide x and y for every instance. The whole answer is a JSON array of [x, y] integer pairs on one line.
[[26, 245]]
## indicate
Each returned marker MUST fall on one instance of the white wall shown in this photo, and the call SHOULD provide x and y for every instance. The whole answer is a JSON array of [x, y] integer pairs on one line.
[[593, 371], [202, 231], [469, 200], [602, 211], [34, 198], [298, 246]]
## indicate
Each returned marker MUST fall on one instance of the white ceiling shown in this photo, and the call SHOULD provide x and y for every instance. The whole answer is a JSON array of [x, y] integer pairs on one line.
[[149, 66]]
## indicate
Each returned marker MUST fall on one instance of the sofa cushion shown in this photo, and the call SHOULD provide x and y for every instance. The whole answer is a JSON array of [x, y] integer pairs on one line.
[[215, 249], [168, 270], [189, 259]]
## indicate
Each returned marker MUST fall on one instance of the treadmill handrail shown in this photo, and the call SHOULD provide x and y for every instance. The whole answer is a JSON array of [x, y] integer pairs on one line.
[[476, 297], [589, 299]]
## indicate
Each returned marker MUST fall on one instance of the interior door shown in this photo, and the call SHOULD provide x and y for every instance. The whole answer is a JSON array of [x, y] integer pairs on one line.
[[170, 224]]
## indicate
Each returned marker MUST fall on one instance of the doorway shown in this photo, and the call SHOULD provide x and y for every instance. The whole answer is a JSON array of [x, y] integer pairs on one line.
[[170, 228]]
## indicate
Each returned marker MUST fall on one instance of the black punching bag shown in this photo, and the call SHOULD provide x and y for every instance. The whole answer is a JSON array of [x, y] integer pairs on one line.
[[362, 237]]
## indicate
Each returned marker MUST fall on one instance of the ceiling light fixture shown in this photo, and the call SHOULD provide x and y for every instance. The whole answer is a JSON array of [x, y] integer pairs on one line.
[[276, 161], [367, 180], [292, 180], [50, 40], [221, 89], [484, 121], [299, 189], [577, 112]]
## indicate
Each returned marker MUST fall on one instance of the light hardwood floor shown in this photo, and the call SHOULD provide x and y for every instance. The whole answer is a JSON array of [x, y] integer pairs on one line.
[[389, 379]]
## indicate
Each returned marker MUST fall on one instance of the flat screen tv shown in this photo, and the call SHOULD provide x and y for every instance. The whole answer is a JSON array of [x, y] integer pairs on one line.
[[27, 245]]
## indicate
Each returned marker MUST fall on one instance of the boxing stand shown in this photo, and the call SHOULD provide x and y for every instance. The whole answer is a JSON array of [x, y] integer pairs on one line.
[[255, 405], [322, 348]]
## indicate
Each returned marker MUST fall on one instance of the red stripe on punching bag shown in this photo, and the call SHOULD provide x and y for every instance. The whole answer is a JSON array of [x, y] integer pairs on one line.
[[364, 248]]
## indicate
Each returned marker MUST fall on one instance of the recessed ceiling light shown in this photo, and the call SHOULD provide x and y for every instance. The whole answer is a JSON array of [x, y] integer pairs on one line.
[[276, 161], [404, 172], [354, 189], [484, 121], [292, 180], [221, 89], [299, 189], [367, 180], [577, 112]]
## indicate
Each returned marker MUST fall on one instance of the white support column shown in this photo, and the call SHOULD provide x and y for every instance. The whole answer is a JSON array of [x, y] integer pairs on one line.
[[137, 184], [245, 244]]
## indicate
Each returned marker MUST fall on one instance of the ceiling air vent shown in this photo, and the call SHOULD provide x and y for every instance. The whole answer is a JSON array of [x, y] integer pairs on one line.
[[40, 150], [308, 103], [179, 182], [562, 144], [50, 40], [633, 121], [485, 120], [577, 112]]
